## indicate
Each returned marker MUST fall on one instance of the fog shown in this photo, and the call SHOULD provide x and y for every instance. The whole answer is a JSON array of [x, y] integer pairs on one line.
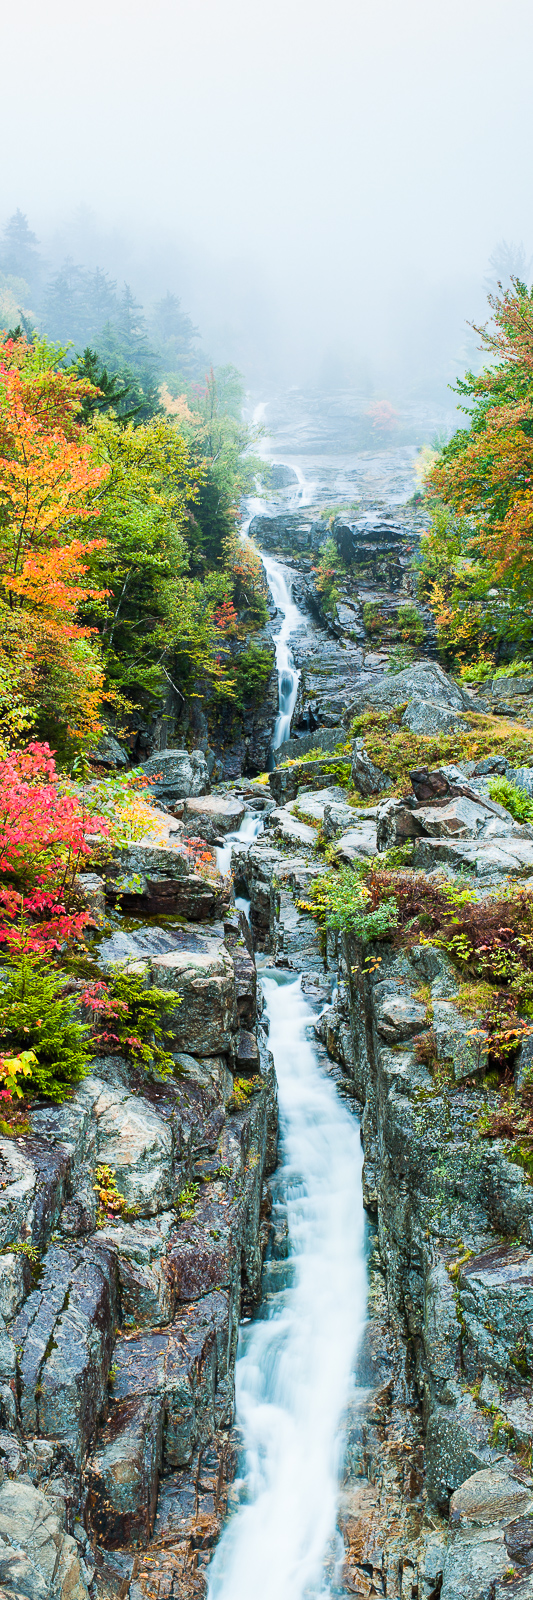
[[322, 182]]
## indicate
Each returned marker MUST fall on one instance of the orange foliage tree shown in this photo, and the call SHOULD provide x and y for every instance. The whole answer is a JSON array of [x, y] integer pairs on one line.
[[48, 486]]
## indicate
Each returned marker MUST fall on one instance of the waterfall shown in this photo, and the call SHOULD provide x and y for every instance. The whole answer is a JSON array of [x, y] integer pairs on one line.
[[288, 674], [249, 829], [296, 1360]]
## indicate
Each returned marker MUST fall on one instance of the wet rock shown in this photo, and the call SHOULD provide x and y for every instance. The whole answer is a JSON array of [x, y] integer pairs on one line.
[[37, 1558], [424, 681], [140, 1250], [496, 1291], [176, 774], [431, 716], [180, 1366], [123, 1473], [65, 1331], [211, 816], [32, 1184], [204, 1023], [282, 477], [237, 937], [366, 777], [247, 1058], [109, 753]]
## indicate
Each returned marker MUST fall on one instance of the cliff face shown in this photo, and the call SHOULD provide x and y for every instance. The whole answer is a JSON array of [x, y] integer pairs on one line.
[[133, 1219]]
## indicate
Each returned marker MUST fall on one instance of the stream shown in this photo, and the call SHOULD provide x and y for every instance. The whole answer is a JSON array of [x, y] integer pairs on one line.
[[294, 1372], [296, 1358]]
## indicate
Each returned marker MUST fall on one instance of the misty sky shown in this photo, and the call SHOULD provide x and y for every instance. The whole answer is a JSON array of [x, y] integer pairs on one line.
[[321, 180]]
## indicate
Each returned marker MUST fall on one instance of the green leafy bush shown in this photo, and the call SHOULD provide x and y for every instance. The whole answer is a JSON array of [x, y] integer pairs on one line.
[[410, 624], [514, 799], [341, 900], [36, 1016]]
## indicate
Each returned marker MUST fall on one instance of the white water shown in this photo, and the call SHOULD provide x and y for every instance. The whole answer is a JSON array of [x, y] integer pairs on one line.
[[288, 675], [294, 1370], [298, 496], [249, 829]]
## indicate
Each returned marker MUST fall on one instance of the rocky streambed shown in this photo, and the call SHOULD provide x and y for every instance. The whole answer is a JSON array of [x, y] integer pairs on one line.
[[143, 1222]]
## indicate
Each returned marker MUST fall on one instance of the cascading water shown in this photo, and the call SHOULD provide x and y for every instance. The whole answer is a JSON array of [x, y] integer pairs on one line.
[[296, 1360], [249, 829], [288, 674]]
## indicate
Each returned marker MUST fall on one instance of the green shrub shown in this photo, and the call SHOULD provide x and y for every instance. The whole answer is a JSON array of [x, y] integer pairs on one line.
[[341, 900], [410, 624], [395, 750], [36, 1016], [514, 669], [129, 1020], [514, 799]]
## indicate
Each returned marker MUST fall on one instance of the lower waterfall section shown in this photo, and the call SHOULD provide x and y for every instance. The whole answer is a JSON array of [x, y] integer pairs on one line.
[[296, 1359]]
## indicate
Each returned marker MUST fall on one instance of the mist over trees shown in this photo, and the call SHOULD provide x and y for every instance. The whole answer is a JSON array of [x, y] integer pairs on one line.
[[130, 354]]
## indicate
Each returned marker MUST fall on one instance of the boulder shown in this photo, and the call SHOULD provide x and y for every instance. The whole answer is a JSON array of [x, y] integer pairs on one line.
[[487, 859], [366, 777], [490, 1533], [38, 1560], [210, 816], [510, 688], [398, 1016], [109, 753], [323, 739], [396, 822], [431, 716], [423, 681], [282, 477], [290, 827], [359, 842], [204, 1023], [176, 774], [247, 1058], [192, 897]]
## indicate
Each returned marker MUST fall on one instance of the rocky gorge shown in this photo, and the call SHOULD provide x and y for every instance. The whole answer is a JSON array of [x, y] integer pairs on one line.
[[138, 1217]]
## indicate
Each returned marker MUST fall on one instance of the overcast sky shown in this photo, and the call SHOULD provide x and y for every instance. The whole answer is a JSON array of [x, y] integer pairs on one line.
[[328, 176]]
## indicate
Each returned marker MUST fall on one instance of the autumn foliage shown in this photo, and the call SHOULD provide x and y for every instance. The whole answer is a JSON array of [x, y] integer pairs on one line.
[[42, 847], [478, 560], [48, 487]]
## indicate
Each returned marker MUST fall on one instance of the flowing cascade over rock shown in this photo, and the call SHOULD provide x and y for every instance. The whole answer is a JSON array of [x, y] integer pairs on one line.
[[205, 1388]]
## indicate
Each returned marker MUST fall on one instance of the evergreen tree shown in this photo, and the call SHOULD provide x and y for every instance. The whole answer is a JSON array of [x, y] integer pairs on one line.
[[19, 256]]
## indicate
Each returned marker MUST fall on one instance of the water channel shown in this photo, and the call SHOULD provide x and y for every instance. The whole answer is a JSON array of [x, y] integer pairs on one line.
[[296, 1358]]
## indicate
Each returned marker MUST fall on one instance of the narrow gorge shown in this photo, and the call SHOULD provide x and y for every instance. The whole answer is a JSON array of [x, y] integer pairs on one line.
[[267, 1321]]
